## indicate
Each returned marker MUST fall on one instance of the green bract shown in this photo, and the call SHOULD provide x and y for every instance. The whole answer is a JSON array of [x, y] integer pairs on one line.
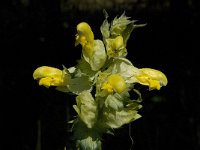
[[98, 58], [102, 81], [116, 34], [86, 108]]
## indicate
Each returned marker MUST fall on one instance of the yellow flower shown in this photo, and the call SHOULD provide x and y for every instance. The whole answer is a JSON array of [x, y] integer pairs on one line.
[[115, 47], [155, 79], [114, 83], [85, 37], [48, 76]]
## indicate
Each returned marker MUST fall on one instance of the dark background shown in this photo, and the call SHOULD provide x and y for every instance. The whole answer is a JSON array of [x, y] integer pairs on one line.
[[41, 32]]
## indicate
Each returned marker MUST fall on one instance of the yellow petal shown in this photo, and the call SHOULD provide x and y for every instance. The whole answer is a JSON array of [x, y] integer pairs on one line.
[[48, 76], [85, 37], [107, 87], [155, 79], [85, 34], [115, 83], [115, 46], [119, 42]]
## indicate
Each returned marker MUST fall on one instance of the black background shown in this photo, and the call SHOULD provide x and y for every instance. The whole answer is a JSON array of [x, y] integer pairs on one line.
[[38, 32]]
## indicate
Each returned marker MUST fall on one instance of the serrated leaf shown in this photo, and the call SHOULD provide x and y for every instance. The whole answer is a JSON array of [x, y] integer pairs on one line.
[[113, 103], [119, 24], [98, 58], [105, 27], [116, 119], [80, 84], [86, 108]]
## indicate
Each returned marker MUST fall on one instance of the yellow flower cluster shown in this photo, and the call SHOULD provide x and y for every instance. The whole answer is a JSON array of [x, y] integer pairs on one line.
[[101, 81]]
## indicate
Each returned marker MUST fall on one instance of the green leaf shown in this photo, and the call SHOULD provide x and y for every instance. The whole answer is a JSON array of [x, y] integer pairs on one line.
[[105, 27], [80, 84], [88, 143], [118, 110], [66, 77], [113, 102], [86, 108], [118, 25], [86, 138], [123, 67], [116, 119], [99, 56], [84, 69]]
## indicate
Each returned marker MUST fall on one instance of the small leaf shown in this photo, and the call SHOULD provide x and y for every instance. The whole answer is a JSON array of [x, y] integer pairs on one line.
[[105, 27], [113, 103], [86, 108]]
